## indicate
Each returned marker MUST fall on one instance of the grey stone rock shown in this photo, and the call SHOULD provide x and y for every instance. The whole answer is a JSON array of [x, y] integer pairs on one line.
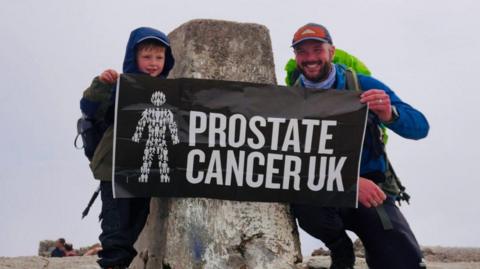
[[323, 262], [209, 233], [81, 262], [213, 49], [45, 247]]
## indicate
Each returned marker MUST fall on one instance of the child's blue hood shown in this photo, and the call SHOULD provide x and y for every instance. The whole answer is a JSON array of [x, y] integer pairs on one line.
[[137, 36]]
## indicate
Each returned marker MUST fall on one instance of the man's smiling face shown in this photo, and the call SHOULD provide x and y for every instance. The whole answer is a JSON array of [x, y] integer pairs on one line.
[[314, 59]]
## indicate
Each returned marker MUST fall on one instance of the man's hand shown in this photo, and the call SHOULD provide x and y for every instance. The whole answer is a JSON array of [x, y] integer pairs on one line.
[[369, 194], [109, 76], [379, 103]]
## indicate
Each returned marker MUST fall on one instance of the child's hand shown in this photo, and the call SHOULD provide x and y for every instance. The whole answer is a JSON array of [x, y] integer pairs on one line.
[[109, 76]]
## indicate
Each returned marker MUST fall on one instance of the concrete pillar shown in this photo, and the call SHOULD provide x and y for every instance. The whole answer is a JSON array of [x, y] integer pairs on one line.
[[208, 233]]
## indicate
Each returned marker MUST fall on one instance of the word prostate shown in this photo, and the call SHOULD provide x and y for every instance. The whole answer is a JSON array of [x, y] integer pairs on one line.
[[236, 131]]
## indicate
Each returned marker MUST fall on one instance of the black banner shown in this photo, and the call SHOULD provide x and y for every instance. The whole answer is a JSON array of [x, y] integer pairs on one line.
[[236, 141]]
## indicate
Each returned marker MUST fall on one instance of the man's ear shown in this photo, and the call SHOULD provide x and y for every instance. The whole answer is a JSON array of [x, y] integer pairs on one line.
[[331, 51]]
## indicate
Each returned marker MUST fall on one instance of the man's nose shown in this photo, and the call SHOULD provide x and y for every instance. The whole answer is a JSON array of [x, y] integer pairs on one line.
[[310, 56]]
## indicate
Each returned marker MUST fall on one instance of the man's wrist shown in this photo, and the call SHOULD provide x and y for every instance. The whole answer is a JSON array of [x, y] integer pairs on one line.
[[394, 117]]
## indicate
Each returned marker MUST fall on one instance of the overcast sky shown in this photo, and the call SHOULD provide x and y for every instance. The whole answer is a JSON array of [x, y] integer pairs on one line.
[[426, 51]]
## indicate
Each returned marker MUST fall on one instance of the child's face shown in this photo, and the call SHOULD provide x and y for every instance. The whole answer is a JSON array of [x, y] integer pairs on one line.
[[151, 60]]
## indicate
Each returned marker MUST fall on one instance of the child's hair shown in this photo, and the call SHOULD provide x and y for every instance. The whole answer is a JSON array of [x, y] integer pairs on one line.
[[149, 44], [68, 247]]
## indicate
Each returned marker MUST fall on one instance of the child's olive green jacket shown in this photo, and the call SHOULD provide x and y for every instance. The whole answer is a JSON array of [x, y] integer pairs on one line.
[[98, 100]]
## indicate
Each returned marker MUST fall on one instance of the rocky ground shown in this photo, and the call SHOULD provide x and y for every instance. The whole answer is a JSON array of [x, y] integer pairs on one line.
[[36, 262], [322, 262], [437, 258]]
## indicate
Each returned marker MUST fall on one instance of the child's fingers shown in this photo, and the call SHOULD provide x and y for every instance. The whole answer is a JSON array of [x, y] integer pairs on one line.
[[112, 75], [109, 76]]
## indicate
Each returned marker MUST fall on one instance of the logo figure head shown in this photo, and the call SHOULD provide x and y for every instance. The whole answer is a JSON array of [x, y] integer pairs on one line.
[[158, 98]]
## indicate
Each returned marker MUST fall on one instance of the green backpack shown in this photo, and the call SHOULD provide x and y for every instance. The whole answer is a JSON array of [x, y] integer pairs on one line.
[[340, 57]]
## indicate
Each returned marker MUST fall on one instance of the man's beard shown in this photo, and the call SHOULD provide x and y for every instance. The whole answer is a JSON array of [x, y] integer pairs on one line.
[[321, 76]]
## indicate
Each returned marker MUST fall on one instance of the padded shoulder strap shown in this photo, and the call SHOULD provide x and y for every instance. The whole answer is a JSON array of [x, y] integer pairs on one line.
[[352, 80]]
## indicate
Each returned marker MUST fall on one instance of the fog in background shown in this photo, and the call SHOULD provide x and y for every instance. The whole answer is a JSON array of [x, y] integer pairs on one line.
[[426, 51]]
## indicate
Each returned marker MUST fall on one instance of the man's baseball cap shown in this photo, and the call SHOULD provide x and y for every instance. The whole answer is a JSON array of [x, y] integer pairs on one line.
[[311, 31]]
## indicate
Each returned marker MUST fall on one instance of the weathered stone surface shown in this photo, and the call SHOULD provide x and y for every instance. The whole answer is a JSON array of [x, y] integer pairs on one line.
[[212, 49], [323, 262], [209, 233], [45, 247]]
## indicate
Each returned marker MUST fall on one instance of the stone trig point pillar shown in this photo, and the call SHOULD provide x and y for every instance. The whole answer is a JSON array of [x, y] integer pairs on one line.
[[183, 233]]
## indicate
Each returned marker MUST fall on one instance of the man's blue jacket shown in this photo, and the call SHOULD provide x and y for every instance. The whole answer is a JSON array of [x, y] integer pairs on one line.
[[410, 124]]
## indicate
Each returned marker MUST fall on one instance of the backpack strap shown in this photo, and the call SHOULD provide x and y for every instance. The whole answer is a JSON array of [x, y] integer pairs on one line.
[[390, 172], [354, 85], [352, 80], [384, 218]]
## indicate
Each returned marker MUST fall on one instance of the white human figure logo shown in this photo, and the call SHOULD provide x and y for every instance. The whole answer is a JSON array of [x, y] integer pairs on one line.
[[157, 120]]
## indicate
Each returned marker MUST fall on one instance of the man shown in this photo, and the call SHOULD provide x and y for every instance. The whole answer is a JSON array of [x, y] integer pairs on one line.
[[384, 232], [59, 250]]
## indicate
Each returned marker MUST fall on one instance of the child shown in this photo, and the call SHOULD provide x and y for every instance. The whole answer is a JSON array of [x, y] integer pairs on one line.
[[148, 52]]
